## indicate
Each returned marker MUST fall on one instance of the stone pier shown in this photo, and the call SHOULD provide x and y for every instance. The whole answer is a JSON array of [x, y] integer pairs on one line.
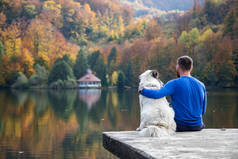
[[208, 143]]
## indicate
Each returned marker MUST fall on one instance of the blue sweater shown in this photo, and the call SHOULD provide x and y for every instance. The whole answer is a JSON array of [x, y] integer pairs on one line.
[[188, 99]]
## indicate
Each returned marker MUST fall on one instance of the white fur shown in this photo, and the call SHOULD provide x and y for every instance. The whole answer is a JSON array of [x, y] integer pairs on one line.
[[157, 117]]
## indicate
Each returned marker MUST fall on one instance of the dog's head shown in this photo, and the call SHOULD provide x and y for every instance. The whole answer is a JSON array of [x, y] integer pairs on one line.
[[149, 74], [150, 78], [155, 74]]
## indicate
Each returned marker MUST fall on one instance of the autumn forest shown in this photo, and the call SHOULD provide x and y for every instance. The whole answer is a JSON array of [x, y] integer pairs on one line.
[[51, 43]]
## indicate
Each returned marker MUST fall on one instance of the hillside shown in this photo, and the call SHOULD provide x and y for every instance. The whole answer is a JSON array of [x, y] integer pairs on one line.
[[158, 7], [40, 39], [38, 32]]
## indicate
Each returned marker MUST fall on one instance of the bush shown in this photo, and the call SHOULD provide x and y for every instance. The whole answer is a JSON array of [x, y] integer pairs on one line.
[[21, 82], [41, 72], [70, 83], [12, 78], [40, 77], [57, 84], [34, 80], [61, 84]]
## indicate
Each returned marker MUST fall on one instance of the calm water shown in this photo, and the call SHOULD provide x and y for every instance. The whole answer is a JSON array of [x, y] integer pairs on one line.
[[68, 124]]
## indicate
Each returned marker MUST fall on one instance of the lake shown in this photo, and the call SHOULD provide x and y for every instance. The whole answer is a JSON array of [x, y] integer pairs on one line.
[[69, 123]]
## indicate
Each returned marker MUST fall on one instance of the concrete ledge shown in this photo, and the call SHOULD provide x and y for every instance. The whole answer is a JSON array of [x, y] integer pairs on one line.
[[208, 143]]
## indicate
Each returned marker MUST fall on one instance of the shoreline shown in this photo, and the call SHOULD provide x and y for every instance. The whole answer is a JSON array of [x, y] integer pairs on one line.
[[109, 87], [77, 88]]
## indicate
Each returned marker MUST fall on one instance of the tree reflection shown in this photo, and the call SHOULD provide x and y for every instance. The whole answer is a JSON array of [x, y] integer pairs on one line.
[[62, 102], [97, 112], [18, 97]]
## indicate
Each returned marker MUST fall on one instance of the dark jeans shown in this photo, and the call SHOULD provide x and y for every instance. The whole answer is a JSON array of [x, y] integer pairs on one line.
[[181, 128]]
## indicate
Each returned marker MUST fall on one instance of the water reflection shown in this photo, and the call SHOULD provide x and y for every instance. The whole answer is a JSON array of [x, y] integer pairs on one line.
[[222, 109], [61, 124], [89, 96], [68, 123]]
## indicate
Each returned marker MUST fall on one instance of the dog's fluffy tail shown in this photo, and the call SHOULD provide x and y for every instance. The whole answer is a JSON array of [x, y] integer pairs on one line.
[[154, 131]]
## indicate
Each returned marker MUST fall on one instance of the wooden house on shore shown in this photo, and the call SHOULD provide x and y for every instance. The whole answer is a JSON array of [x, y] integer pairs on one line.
[[89, 81]]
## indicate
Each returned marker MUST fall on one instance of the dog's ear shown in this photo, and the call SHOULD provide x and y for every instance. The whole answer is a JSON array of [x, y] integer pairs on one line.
[[155, 74]]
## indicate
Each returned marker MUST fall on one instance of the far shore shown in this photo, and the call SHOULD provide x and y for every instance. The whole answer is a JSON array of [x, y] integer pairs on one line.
[[102, 88]]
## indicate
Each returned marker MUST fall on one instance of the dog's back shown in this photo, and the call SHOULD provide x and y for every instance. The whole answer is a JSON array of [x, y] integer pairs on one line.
[[157, 117]]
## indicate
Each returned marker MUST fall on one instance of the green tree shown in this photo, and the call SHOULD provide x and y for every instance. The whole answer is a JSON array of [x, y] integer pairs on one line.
[[92, 58], [121, 80], [112, 56], [205, 35], [81, 65], [231, 22], [184, 37], [60, 71], [129, 75], [103, 78], [1, 49], [30, 11], [194, 39], [111, 63], [67, 59], [190, 40], [96, 63]]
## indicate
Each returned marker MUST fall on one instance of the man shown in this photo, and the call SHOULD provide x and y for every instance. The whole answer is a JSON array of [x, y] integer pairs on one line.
[[188, 96]]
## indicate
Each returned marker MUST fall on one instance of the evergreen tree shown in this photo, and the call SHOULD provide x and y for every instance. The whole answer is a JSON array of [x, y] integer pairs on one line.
[[210, 11], [81, 65], [112, 56], [1, 49], [121, 80], [129, 75], [96, 63], [67, 59], [104, 79], [92, 58], [111, 63], [231, 24]]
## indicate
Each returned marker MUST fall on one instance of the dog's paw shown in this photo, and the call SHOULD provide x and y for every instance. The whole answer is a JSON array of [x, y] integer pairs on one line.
[[138, 129]]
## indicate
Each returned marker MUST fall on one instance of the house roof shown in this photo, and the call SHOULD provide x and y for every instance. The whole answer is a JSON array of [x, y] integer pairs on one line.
[[89, 77]]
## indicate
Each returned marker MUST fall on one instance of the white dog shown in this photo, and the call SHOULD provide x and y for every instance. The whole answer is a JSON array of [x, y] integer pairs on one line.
[[157, 117]]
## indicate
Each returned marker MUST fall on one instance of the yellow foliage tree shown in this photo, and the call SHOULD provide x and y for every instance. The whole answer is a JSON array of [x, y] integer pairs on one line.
[[114, 77], [27, 62], [205, 35], [52, 12]]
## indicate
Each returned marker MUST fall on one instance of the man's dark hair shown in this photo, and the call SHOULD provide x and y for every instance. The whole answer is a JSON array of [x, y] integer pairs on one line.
[[185, 63]]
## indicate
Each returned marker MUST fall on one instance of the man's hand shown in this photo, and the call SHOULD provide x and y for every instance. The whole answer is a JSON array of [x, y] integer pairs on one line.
[[140, 88]]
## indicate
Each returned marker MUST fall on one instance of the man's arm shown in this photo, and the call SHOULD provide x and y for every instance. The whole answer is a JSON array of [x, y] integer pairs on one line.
[[204, 102], [166, 90]]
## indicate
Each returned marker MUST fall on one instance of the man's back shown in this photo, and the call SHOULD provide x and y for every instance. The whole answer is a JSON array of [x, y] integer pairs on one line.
[[188, 100]]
